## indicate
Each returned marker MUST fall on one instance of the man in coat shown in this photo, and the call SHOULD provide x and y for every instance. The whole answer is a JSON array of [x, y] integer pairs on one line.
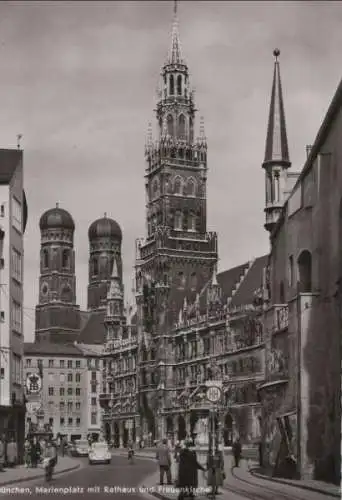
[[164, 460], [188, 472], [237, 449]]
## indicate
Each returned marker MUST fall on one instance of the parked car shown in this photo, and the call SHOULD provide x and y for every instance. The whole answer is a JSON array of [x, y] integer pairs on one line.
[[99, 453], [71, 449], [82, 448]]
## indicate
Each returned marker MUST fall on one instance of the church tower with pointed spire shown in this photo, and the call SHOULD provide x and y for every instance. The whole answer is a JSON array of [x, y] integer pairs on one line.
[[277, 161], [178, 255], [115, 318]]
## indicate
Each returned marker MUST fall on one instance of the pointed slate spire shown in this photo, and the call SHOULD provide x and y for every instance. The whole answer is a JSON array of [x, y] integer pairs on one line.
[[175, 52], [276, 150]]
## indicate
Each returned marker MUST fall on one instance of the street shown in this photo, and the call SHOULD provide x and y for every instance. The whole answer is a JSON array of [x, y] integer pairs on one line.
[[95, 480], [138, 480]]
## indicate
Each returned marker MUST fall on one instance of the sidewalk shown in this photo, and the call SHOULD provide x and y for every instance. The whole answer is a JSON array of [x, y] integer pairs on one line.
[[248, 470], [20, 473], [309, 484]]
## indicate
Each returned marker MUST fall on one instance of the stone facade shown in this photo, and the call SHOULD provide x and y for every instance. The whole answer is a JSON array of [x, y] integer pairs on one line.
[[303, 350]]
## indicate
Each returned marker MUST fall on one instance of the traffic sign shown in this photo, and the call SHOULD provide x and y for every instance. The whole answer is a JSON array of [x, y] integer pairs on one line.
[[213, 393]]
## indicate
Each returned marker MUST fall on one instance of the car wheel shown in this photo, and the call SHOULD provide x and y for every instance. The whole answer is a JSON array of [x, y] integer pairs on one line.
[[109, 462]]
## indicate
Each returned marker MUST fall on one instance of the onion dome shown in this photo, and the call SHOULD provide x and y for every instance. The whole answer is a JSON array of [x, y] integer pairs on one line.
[[104, 228], [56, 218]]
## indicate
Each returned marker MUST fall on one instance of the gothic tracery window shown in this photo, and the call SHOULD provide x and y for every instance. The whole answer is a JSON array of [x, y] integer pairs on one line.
[[170, 125], [178, 221], [191, 222], [191, 187], [181, 127], [177, 187], [172, 85], [179, 84]]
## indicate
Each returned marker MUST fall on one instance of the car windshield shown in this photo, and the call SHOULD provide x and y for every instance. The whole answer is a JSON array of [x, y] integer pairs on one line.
[[100, 446], [81, 443]]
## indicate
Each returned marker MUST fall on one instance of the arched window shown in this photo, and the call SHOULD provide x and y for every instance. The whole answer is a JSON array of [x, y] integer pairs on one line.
[[66, 259], [340, 242], [191, 187], [181, 126], [281, 293], [95, 266], [45, 258], [192, 222], [170, 125], [155, 188], [181, 279], [191, 130], [305, 271], [179, 84], [172, 85], [177, 187], [178, 221], [66, 294]]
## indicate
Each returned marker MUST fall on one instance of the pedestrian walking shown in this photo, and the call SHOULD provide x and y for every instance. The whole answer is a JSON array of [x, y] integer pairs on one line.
[[27, 453], [177, 451], [50, 459], [12, 453], [188, 472], [163, 456], [36, 452], [237, 450], [215, 468]]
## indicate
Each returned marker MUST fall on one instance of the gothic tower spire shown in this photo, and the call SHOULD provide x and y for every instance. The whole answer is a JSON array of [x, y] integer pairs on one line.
[[175, 53], [276, 160]]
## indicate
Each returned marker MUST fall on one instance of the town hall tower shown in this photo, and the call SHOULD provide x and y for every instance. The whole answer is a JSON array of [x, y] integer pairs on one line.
[[178, 256]]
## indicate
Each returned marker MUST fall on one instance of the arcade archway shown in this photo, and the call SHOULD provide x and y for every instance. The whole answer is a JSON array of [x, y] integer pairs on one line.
[[116, 435]]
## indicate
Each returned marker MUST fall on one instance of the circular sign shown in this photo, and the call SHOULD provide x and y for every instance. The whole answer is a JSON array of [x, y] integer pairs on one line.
[[33, 383], [213, 394], [33, 406]]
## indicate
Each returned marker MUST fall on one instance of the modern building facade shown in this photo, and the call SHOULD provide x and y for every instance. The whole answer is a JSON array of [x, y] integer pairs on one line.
[[13, 219], [64, 393]]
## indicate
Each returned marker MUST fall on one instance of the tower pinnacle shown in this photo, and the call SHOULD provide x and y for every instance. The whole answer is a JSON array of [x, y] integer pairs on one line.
[[276, 160], [276, 149], [175, 53]]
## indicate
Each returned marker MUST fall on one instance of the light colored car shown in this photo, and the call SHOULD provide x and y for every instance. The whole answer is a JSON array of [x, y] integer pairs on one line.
[[99, 453], [82, 448]]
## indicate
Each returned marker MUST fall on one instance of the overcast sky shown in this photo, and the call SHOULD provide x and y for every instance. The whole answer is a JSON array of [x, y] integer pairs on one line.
[[78, 80]]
